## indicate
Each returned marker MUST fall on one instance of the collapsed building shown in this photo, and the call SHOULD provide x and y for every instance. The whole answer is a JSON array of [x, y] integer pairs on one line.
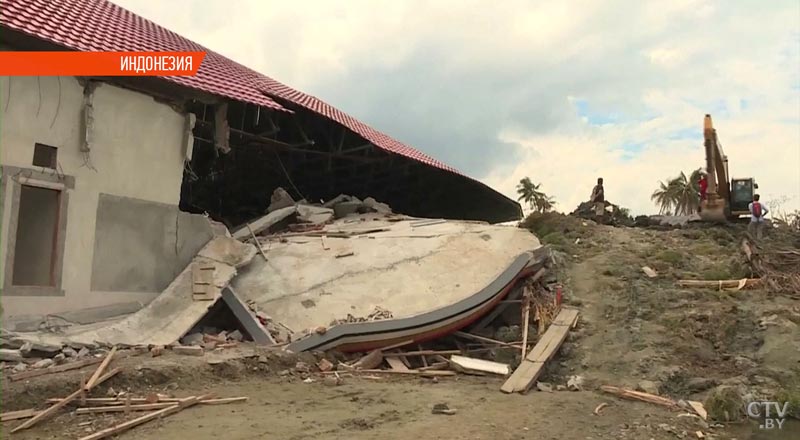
[[108, 184]]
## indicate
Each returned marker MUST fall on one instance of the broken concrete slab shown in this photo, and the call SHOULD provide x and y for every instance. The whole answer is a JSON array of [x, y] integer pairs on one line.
[[10, 355], [251, 324], [266, 222], [376, 206], [400, 268], [339, 199], [280, 199], [314, 214], [171, 314], [344, 209], [230, 252]]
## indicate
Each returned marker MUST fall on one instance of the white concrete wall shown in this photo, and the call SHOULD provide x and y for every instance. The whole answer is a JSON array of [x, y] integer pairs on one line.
[[136, 151]]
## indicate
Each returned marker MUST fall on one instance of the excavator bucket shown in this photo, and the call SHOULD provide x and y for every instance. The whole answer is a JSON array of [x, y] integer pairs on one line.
[[713, 210]]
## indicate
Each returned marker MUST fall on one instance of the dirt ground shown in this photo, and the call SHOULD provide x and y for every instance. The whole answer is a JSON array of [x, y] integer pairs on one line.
[[687, 342]]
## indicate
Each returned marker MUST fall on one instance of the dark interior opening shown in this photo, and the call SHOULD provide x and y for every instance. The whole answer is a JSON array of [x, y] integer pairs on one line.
[[315, 158], [35, 247]]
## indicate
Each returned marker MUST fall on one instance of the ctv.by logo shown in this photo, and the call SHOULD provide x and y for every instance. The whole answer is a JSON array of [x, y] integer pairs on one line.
[[772, 414]]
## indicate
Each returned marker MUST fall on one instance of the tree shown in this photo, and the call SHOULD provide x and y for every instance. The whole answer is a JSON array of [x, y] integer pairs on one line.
[[680, 195], [536, 199], [663, 198]]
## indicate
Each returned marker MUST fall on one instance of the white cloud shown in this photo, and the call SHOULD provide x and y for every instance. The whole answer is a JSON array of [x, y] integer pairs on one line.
[[492, 87]]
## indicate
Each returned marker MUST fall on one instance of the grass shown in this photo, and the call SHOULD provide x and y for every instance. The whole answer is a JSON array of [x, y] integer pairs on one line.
[[725, 404]]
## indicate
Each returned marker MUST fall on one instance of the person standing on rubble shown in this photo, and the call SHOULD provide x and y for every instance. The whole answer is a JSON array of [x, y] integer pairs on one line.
[[599, 200], [757, 213], [703, 184]]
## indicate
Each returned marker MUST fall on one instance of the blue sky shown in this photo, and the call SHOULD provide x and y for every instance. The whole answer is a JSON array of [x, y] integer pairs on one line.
[[562, 92]]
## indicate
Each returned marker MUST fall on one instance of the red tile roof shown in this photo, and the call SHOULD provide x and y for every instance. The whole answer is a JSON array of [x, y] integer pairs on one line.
[[99, 25]]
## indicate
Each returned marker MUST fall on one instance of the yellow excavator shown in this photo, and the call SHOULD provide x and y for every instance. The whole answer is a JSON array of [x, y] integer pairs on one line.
[[726, 199]]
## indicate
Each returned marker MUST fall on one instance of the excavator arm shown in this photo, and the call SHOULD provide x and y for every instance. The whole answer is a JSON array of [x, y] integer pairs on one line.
[[715, 207]]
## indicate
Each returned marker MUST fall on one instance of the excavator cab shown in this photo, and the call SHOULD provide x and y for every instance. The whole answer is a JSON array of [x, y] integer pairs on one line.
[[742, 191]]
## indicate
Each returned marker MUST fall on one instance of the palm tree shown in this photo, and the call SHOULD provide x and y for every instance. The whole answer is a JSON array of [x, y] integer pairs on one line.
[[663, 198], [680, 195], [530, 194]]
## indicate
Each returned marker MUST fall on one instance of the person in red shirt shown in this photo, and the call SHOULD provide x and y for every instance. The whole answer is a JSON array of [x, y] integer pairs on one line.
[[703, 184]]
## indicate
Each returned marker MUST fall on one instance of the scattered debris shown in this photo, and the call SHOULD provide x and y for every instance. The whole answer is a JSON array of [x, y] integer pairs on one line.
[[190, 350], [636, 395], [650, 272], [376, 315], [370, 361], [545, 387], [575, 383], [721, 284], [698, 408], [8, 355], [442, 408], [599, 408], [480, 365]]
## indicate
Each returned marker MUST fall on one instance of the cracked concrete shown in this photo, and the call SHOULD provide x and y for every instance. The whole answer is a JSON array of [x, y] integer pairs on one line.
[[406, 269]]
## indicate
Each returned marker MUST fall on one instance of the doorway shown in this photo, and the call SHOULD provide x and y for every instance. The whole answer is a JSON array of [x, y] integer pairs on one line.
[[35, 250]]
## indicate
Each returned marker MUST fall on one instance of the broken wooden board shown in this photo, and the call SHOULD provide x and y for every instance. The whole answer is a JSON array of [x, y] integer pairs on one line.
[[639, 395], [53, 409], [698, 408], [396, 364], [16, 415], [473, 364], [532, 366], [721, 284], [649, 271], [185, 403]]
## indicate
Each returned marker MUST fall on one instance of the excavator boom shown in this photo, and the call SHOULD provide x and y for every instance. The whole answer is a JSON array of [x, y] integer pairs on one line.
[[715, 206]]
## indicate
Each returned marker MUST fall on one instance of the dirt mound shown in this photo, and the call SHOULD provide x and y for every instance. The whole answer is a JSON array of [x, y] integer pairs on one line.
[[614, 215]]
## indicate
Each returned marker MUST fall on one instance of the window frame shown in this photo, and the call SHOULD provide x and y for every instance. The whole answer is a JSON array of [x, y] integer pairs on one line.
[[11, 183]]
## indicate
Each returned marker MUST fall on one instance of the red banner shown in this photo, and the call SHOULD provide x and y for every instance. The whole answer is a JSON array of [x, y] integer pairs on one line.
[[100, 63]]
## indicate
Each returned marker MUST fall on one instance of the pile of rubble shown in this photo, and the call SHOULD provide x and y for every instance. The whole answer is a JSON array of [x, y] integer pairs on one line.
[[284, 214], [376, 315], [613, 214]]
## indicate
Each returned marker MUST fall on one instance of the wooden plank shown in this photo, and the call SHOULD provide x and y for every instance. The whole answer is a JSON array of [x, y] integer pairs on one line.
[[49, 411], [100, 369], [423, 353], [720, 284], [256, 242], [480, 365], [183, 404], [526, 315], [483, 339], [123, 408], [396, 364], [56, 369], [16, 415], [410, 372], [434, 366], [113, 401], [533, 364]]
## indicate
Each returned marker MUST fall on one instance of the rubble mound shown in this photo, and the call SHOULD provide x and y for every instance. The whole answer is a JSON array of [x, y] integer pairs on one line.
[[614, 214]]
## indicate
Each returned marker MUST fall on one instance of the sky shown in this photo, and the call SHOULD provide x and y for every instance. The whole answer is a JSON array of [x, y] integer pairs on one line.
[[561, 92]]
